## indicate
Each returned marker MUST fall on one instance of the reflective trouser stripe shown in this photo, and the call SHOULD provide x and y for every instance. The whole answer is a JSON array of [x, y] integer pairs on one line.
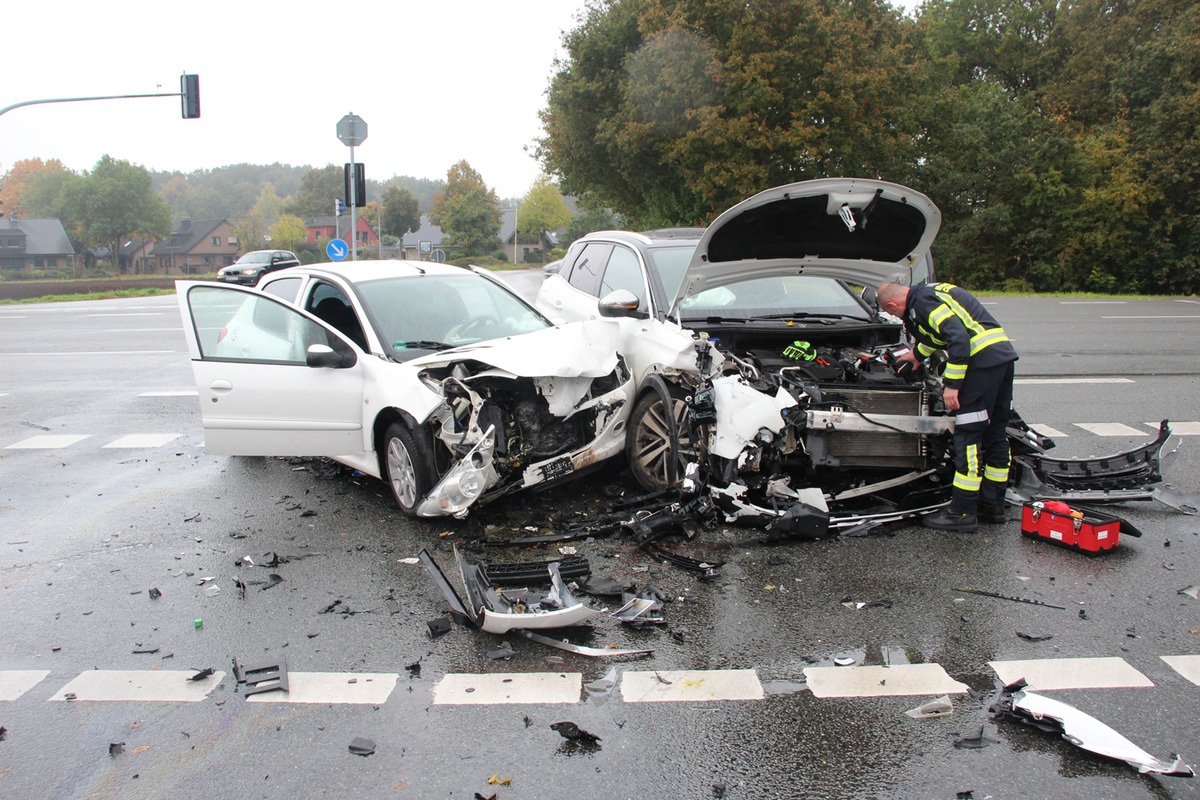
[[971, 417], [997, 474], [971, 479]]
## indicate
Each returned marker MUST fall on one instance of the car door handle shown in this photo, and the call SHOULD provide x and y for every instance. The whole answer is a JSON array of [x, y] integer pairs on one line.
[[221, 386]]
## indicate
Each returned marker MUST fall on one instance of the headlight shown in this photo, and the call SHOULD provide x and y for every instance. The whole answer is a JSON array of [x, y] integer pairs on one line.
[[464, 483]]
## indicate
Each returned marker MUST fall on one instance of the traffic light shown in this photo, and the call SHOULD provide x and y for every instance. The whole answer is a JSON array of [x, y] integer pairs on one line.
[[341, 208], [189, 92], [359, 196]]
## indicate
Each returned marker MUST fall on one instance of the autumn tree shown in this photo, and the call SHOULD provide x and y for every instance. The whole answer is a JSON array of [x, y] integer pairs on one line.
[[253, 227], [288, 232], [400, 212], [319, 189], [542, 210], [669, 111], [15, 182], [467, 212], [114, 203]]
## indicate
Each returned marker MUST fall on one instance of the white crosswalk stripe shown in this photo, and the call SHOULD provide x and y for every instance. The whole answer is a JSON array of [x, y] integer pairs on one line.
[[1071, 673], [879, 681], [48, 442], [1109, 429], [144, 440], [1187, 666]]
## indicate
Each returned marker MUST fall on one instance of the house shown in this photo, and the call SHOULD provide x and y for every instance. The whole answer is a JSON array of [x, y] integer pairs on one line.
[[324, 228], [28, 244], [198, 247], [419, 244], [135, 256]]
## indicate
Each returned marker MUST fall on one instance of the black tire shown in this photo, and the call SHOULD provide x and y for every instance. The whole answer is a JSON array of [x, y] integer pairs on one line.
[[648, 447], [407, 467]]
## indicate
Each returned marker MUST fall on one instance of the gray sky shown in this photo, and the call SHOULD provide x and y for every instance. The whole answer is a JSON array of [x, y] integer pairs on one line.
[[436, 81]]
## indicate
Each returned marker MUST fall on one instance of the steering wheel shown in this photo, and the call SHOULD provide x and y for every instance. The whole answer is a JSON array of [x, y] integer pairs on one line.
[[464, 330]]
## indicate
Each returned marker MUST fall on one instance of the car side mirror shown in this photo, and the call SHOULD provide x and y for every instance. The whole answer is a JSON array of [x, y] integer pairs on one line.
[[621, 303], [322, 355]]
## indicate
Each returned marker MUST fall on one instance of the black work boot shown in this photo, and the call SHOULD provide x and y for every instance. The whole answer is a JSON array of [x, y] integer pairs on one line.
[[947, 520], [993, 515]]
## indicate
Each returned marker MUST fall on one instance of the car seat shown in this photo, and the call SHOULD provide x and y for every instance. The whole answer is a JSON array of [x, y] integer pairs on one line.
[[342, 318]]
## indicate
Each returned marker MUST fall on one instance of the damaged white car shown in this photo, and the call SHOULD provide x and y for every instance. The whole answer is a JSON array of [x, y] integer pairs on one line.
[[763, 372], [438, 379]]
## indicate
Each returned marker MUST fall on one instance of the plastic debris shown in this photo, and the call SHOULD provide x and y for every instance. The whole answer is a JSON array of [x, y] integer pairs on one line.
[[259, 678], [115, 749], [1035, 637], [941, 707], [362, 747], [438, 626], [200, 675], [572, 732], [1191, 591], [976, 742], [154, 593], [600, 690], [844, 662]]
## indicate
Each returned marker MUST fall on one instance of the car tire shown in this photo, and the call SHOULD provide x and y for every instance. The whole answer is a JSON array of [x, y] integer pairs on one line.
[[648, 447], [407, 467]]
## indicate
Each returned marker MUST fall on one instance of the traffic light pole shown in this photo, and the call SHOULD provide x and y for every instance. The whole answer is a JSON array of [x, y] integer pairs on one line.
[[353, 208], [189, 90], [81, 99]]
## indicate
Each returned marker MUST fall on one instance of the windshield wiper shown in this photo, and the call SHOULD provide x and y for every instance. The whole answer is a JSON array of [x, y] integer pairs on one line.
[[421, 345], [806, 315]]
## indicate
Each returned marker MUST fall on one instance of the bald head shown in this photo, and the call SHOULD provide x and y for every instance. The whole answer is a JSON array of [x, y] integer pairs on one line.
[[892, 298]]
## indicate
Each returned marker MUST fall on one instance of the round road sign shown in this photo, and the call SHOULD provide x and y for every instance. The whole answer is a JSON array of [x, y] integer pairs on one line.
[[336, 249]]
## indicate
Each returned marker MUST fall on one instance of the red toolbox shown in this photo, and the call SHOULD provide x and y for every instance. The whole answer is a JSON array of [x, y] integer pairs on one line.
[[1087, 531]]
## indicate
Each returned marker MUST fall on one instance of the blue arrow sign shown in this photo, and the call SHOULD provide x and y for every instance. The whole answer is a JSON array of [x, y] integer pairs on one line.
[[336, 249]]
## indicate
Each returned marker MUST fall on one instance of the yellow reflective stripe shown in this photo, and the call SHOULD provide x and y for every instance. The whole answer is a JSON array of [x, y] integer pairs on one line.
[[997, 474], [955, 372], [938, 316], [967, 320], [987, 339], [925, 350], [967, 483]]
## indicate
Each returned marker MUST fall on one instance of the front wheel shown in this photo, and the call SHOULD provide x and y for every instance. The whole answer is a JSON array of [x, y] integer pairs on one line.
[[408, 467], [649, 448]]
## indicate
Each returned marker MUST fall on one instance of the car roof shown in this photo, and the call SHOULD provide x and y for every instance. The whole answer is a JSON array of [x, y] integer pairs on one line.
[[362, 271], [655, 238]]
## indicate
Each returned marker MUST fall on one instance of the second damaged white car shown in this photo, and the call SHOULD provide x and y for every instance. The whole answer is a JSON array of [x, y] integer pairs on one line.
[[440, 380]]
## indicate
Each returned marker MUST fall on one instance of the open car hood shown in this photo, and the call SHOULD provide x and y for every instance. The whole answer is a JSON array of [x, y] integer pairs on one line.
[[854, 229]]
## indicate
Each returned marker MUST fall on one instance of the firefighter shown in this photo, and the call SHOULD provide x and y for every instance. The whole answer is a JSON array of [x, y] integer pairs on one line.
[[977, 387]]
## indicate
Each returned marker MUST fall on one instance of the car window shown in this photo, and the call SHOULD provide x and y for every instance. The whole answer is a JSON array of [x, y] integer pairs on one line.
[[670, 263], [285, 288], [252, 327], [422, 312], [331, 305], [255, 258], [776, 295], [624, 271], [585, 272]]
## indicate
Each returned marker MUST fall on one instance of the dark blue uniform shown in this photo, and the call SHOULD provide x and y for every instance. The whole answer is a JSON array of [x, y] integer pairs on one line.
[[980, 361]]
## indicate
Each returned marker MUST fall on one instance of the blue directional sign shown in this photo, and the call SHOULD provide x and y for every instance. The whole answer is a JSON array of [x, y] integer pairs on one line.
[[336, 249]]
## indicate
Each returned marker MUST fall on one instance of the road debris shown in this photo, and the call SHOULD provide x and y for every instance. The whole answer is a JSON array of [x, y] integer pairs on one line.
[[266, 677], [573, 733], [362, 747], [977, 741], [1080, 729], [941, 707]]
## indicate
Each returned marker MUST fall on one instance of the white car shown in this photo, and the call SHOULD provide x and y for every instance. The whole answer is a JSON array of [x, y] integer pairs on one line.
[[440, 380]]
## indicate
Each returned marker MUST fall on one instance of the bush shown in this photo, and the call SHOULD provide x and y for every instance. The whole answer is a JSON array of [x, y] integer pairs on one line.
[[499, 255], [1019, 285]]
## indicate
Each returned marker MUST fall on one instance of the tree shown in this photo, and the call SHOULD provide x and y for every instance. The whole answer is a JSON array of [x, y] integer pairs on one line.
[[14, 183], [586, 221], [251, 229], [114, 203], [319, 189], [401, 213], [542, 209], [467, 212], [669, 111], [288, 232]]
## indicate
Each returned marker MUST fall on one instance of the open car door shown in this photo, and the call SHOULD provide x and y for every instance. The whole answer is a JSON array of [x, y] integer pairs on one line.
[[272, 380]]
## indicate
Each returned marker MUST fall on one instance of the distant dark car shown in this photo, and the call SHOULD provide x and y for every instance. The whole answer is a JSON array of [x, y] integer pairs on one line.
[[252, 266]]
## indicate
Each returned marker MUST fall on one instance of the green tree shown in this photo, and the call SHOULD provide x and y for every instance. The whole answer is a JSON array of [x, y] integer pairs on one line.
[[114, 203], [319, 189], [252, 228], [586, 221], [288, 232], [467, 212], [401, 213], [542, 209], [669, 111]]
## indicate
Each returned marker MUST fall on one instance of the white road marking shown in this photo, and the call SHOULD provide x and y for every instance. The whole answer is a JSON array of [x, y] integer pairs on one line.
[[139, 685], [1158, 316], [1187, 666], [144, 440], [49, 442], [367, 688], [1046, 430], [6, 316], [140, 330], [181, 393], [690, 686], [1180, 428], [16, 682], [1109, 429], [877, 681], [1091, 302], [1072, 673], [1035, 381], [128, 314], [457, 689]]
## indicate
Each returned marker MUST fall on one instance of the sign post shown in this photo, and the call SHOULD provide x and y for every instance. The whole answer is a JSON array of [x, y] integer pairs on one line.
[[352, 131]]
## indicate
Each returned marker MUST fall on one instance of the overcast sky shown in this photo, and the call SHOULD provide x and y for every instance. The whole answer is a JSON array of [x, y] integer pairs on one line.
[[436, 81]]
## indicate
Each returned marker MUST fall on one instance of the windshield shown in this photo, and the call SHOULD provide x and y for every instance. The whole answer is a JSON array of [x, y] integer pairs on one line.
[[255, 258], [671, 263], [435, 312], [780, 297]]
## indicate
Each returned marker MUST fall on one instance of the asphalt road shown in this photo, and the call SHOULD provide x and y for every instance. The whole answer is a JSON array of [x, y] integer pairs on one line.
[[91, 524]]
